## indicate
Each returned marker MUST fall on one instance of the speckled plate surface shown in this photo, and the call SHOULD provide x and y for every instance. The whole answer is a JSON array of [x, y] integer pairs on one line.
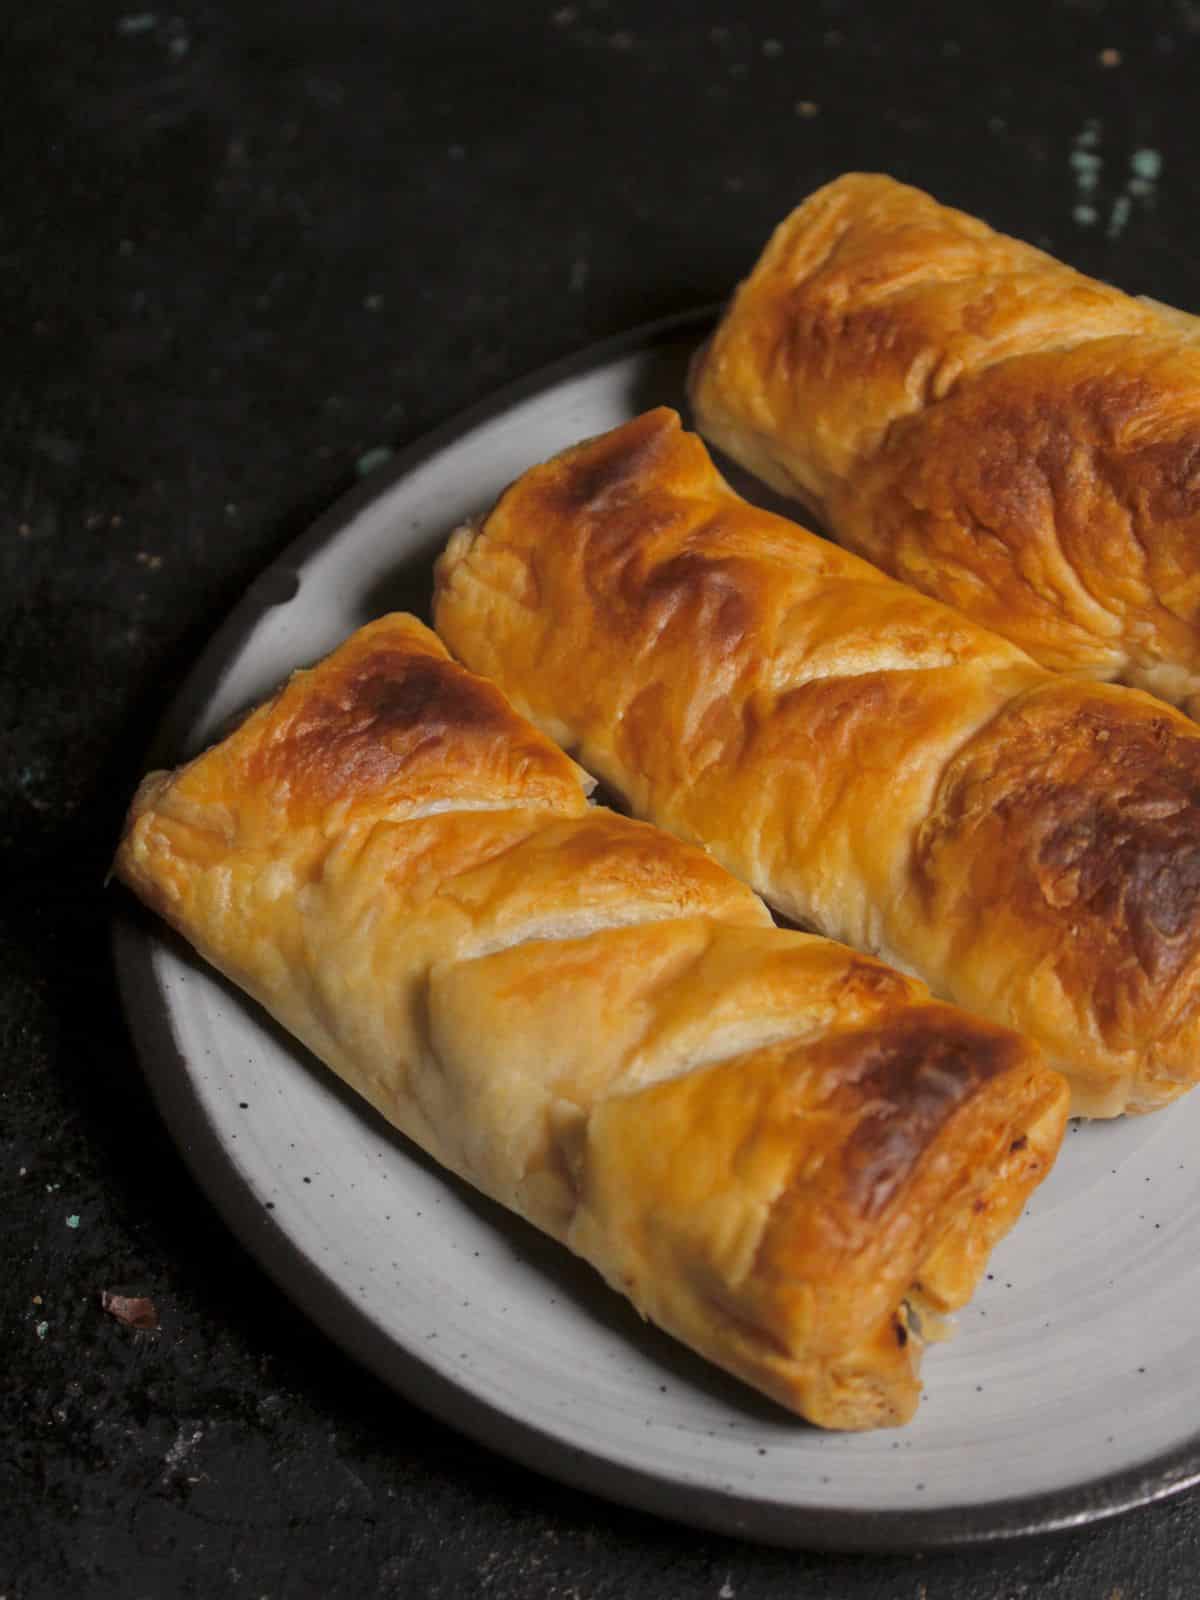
[[1072, 1390]]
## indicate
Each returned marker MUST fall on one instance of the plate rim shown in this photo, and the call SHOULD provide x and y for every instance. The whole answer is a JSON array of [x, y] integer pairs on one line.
[[134, 941]]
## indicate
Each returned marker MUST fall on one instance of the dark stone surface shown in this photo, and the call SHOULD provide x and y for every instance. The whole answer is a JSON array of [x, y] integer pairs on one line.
[[242, 246]]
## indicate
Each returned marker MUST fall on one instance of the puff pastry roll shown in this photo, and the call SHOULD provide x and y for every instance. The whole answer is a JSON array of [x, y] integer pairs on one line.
[[978, 419], [877, 766], [776, 1148]]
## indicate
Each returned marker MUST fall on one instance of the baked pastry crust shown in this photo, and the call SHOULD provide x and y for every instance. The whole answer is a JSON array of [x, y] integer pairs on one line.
[[772, 1145], [978, 419], [877, 766]]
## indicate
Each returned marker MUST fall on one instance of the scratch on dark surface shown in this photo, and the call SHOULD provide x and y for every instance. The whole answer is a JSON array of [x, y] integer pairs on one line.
[[186, 1440]]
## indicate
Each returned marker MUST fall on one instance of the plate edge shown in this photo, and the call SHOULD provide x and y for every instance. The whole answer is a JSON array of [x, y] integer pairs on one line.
[[163, 1063]]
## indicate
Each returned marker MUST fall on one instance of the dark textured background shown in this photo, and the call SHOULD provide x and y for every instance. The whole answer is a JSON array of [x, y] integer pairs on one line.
[[243, 245]]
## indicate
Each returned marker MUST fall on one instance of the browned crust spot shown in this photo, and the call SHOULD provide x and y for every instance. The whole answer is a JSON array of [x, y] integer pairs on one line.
[[709, 592], [596, 472], [915, 1075], [381, 717], [1093, 807]]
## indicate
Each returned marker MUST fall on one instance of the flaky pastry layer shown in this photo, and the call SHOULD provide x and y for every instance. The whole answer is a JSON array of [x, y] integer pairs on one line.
[[770, 1144], [878, 767], [978, 419]]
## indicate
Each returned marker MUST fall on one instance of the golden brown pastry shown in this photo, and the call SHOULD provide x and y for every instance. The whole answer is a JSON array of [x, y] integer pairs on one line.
[[978, 419], [776, 1148], [877, 766]]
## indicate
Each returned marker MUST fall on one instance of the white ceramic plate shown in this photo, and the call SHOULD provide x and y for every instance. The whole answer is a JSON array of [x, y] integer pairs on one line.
[[1073, 1387]]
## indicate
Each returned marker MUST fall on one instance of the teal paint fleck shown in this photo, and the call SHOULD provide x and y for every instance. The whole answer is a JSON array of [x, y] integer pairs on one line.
[[1146, 164], [1087, 166], [42, 1329], [139, 22], [1122, 206], [1142, 187], [1087, 170], [371, 459], [73, 1220]]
